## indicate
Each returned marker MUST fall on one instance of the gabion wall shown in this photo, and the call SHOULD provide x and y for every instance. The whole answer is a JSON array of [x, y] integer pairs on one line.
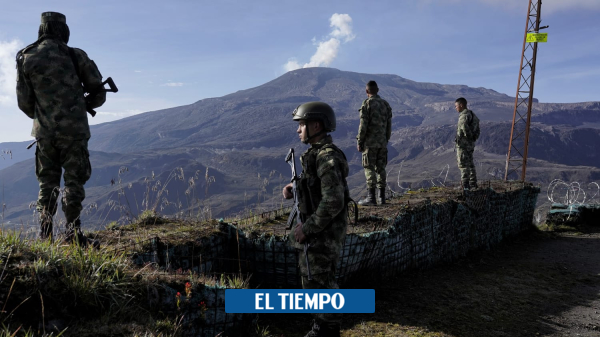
[[416, 238], [203, 312]]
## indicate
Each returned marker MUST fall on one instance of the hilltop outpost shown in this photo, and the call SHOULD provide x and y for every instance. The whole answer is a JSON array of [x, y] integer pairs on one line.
[[178, 270], [159, 186]]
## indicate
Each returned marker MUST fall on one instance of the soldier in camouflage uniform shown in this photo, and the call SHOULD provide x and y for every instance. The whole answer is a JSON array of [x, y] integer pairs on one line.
[[323, 194], [374, 132], [465, 144], [49, 90]]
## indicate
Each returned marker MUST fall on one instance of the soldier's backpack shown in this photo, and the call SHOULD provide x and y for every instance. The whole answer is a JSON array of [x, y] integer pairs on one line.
[[475, 126]]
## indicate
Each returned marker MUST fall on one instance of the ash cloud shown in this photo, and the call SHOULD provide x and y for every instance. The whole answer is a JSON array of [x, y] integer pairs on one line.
[[329, 46]]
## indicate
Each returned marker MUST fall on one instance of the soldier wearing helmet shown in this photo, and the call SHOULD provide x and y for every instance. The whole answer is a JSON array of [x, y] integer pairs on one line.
[[50, 75], [323, 200]]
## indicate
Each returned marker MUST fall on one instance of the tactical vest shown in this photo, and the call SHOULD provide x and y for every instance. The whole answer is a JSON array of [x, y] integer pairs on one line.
[[309, 188]]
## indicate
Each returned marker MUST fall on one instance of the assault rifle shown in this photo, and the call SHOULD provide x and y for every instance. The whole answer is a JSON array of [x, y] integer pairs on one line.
[[295, 213], [89, 95]]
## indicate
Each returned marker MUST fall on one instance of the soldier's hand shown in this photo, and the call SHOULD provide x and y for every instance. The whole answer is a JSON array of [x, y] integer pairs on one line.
[[287, 191], [359, 148], [299, 234]]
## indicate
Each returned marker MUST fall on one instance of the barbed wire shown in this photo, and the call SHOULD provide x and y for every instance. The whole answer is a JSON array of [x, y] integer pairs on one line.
[[570, 194]]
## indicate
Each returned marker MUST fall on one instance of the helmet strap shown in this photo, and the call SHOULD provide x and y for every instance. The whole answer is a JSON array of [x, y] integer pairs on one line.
[[308, 137], [313, 136]]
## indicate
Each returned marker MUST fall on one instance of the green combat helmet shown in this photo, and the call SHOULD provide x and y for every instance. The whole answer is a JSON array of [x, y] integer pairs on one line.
[[316, 111]]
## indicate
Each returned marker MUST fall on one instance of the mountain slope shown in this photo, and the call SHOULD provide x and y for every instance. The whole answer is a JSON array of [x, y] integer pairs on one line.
[[242, 139]]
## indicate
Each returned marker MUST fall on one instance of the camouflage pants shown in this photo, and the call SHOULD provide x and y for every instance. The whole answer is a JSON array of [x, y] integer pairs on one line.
[[464, 156], [374, 161], [51, 156], [322, 268]]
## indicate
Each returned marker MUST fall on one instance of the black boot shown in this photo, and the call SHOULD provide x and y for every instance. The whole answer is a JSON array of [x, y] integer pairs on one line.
[[46, 226], [381, 196], [370, 199], [473, 185], [76, 236], [465, 186]]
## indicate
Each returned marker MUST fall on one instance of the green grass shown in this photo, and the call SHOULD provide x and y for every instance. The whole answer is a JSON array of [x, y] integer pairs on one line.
[[88, 292]]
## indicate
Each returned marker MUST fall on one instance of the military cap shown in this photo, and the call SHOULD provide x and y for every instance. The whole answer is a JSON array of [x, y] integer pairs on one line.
[[53, 16]]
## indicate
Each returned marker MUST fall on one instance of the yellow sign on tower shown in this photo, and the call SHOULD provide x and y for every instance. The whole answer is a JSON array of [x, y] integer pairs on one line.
[[537, 37]]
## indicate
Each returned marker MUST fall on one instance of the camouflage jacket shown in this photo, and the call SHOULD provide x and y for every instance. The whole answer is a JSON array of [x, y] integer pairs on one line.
[[323, 185], [49, 91], [375, 127], [464, 137]]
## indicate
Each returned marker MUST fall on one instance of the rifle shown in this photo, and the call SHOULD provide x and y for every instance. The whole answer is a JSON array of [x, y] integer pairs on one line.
[[89, 95], [295, 213]]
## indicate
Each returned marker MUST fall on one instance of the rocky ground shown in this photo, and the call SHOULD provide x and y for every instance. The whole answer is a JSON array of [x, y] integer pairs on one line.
[[541, 283]]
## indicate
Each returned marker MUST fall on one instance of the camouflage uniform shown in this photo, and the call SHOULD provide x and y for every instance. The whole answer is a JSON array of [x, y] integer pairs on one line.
[[324, 185], [465, 146], [49, 91], [374, 132]]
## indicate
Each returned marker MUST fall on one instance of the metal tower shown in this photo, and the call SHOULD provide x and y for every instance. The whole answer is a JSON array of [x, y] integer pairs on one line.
[[519, 135]]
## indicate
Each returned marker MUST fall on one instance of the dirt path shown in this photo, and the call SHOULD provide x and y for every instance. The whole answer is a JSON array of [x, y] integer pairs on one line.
[[538, 284]]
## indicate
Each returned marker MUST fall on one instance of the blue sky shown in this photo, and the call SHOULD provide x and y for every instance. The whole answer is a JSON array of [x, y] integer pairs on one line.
[[170, 53]]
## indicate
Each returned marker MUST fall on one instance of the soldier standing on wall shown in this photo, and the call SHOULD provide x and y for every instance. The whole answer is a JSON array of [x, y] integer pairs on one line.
[[323, 198], [50, 75], [374, 132], [467, 132]]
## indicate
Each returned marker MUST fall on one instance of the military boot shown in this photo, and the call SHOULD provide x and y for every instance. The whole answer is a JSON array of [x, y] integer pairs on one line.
[[76, 236], [381, 196], [370, 199], [465, 186], [45, 226]]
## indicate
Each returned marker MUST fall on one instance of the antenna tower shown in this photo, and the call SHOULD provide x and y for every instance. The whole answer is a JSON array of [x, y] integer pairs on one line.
[[516, 159]]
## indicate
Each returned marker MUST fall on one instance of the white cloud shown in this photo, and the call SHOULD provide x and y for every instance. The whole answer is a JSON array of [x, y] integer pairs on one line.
[[137, 71], [342, 27], [173, 84], [328, 47], [292, 64], [8, 72]]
